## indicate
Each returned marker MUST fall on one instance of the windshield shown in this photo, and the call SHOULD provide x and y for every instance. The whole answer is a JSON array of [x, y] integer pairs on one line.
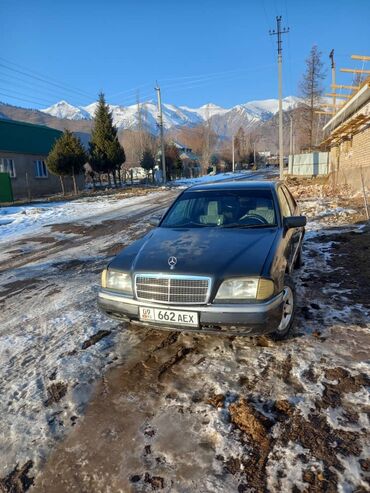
[[223, 209]]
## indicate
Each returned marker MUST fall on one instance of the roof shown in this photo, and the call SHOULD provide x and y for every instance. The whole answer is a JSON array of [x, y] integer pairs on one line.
[[26, 138], [359, 99], [189, 155], [180, 146], [235, 185]]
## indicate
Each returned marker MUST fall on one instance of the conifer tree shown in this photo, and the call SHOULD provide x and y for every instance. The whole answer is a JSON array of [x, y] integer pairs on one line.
[[67, 158], [173, 161], [106, 153], [147, 161]]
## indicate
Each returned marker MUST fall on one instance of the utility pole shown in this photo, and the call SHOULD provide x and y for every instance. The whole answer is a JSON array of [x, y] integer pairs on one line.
[[206, 158], [291, 155], [233, 152], [139, 124], [331, 56], [160, 124], [291, 136], [278, 33]]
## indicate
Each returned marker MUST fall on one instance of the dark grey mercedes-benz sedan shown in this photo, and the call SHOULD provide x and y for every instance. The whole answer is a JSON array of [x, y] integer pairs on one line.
[[219, 261]]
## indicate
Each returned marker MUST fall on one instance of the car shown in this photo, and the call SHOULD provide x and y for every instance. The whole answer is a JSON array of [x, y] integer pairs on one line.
[[219, 261]]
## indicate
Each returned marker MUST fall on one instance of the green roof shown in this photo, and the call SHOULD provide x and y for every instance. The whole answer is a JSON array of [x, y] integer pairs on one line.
[[26, 138]]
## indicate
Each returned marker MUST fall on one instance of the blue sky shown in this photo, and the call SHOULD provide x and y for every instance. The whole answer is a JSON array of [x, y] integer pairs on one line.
[[200, 51]]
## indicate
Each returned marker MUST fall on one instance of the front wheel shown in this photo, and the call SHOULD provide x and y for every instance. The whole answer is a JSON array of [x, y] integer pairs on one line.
[[288, 311]]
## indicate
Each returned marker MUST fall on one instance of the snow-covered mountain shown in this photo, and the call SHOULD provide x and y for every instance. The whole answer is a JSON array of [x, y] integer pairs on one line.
[[223, 120], [66, 110]]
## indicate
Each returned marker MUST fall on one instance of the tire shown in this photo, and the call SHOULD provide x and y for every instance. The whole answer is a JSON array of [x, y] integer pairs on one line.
[[288, 311]]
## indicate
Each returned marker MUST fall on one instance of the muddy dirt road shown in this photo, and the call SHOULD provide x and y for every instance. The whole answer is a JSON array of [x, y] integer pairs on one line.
[[53, 341], [185, 413]]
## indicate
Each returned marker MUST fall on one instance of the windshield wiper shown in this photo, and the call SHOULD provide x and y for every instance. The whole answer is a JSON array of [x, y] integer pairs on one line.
[[186, 225], [246, 226]]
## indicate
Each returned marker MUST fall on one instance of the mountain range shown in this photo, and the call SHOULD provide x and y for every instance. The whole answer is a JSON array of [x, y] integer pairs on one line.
[[224, 121]]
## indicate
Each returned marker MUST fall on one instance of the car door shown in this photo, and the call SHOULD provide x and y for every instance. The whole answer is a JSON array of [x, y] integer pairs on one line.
[[290, 234]]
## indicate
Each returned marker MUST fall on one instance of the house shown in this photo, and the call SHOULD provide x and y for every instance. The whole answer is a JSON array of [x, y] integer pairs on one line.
[[348, 138], [23, 151], [190, 161]]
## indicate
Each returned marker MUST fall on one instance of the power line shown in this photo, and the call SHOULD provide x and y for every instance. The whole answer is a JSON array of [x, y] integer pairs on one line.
[[186, 81], [202, 75], [133, 90], [19, 99], [30, 84], [12, 91], [44, 81], [46, 78]]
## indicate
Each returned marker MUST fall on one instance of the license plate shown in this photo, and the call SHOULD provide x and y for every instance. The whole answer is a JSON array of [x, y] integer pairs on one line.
[[168, 317]]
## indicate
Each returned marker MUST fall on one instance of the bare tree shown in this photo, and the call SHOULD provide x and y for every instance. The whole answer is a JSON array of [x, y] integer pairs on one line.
[[358, 79], [311, 89]]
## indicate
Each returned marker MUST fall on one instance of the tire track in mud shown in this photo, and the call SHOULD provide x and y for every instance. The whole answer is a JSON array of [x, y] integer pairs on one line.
[[125, 399]]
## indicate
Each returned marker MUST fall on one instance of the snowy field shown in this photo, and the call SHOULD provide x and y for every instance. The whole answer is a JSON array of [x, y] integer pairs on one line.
[[16, 221], [276, 417]]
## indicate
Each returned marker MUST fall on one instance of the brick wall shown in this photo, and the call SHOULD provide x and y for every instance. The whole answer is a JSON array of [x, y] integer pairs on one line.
[[351, 159]]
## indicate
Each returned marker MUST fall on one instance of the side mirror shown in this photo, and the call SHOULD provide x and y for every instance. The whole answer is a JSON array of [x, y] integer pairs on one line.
[[295, 222], [155, 220]]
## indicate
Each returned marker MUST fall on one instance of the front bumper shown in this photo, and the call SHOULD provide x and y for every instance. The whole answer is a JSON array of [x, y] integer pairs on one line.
[[232, 319]]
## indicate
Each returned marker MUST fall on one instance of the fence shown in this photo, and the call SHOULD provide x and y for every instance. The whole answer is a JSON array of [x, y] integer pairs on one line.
[[310, 164]]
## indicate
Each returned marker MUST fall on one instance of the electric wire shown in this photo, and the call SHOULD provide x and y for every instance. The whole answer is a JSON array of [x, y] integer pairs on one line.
[[42, 80], [47, 79]]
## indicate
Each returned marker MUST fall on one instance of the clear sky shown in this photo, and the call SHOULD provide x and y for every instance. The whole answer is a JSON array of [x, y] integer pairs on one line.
[[200, 51]]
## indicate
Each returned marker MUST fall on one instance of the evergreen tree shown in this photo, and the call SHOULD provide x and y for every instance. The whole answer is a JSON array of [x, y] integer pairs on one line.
[[173, 162], [311, 88], [67, 158], [106, 153], [147, 161]]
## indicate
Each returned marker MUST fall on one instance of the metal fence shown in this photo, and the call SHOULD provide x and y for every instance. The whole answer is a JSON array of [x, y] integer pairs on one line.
[[310, 164]]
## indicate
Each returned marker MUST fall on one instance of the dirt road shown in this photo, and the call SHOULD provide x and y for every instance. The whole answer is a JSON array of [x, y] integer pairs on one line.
[[186, 413], [50, 326]]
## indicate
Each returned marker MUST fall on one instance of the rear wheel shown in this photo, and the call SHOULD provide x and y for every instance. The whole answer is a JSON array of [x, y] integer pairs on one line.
[[287, 312]]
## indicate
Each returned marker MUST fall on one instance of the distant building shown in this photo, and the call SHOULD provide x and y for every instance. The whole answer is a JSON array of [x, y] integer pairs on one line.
[[348, 138], [264, 154], [23, 151], [138, 173], [190, 161]]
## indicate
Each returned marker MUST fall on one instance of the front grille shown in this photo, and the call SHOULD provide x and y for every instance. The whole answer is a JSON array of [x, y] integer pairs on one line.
[[172, 289]]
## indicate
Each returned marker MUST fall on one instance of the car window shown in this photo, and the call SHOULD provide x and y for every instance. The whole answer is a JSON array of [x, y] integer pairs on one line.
[[284, 205], [228, 208]]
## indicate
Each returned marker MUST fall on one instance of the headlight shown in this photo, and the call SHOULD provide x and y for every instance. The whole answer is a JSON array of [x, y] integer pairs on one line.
[[113, 279], [245, 289]]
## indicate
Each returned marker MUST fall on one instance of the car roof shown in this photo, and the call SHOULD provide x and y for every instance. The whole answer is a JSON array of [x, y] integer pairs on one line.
[[235, 185]]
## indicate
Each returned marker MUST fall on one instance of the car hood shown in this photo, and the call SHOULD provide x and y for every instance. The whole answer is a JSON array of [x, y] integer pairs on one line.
[[216, 252]]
